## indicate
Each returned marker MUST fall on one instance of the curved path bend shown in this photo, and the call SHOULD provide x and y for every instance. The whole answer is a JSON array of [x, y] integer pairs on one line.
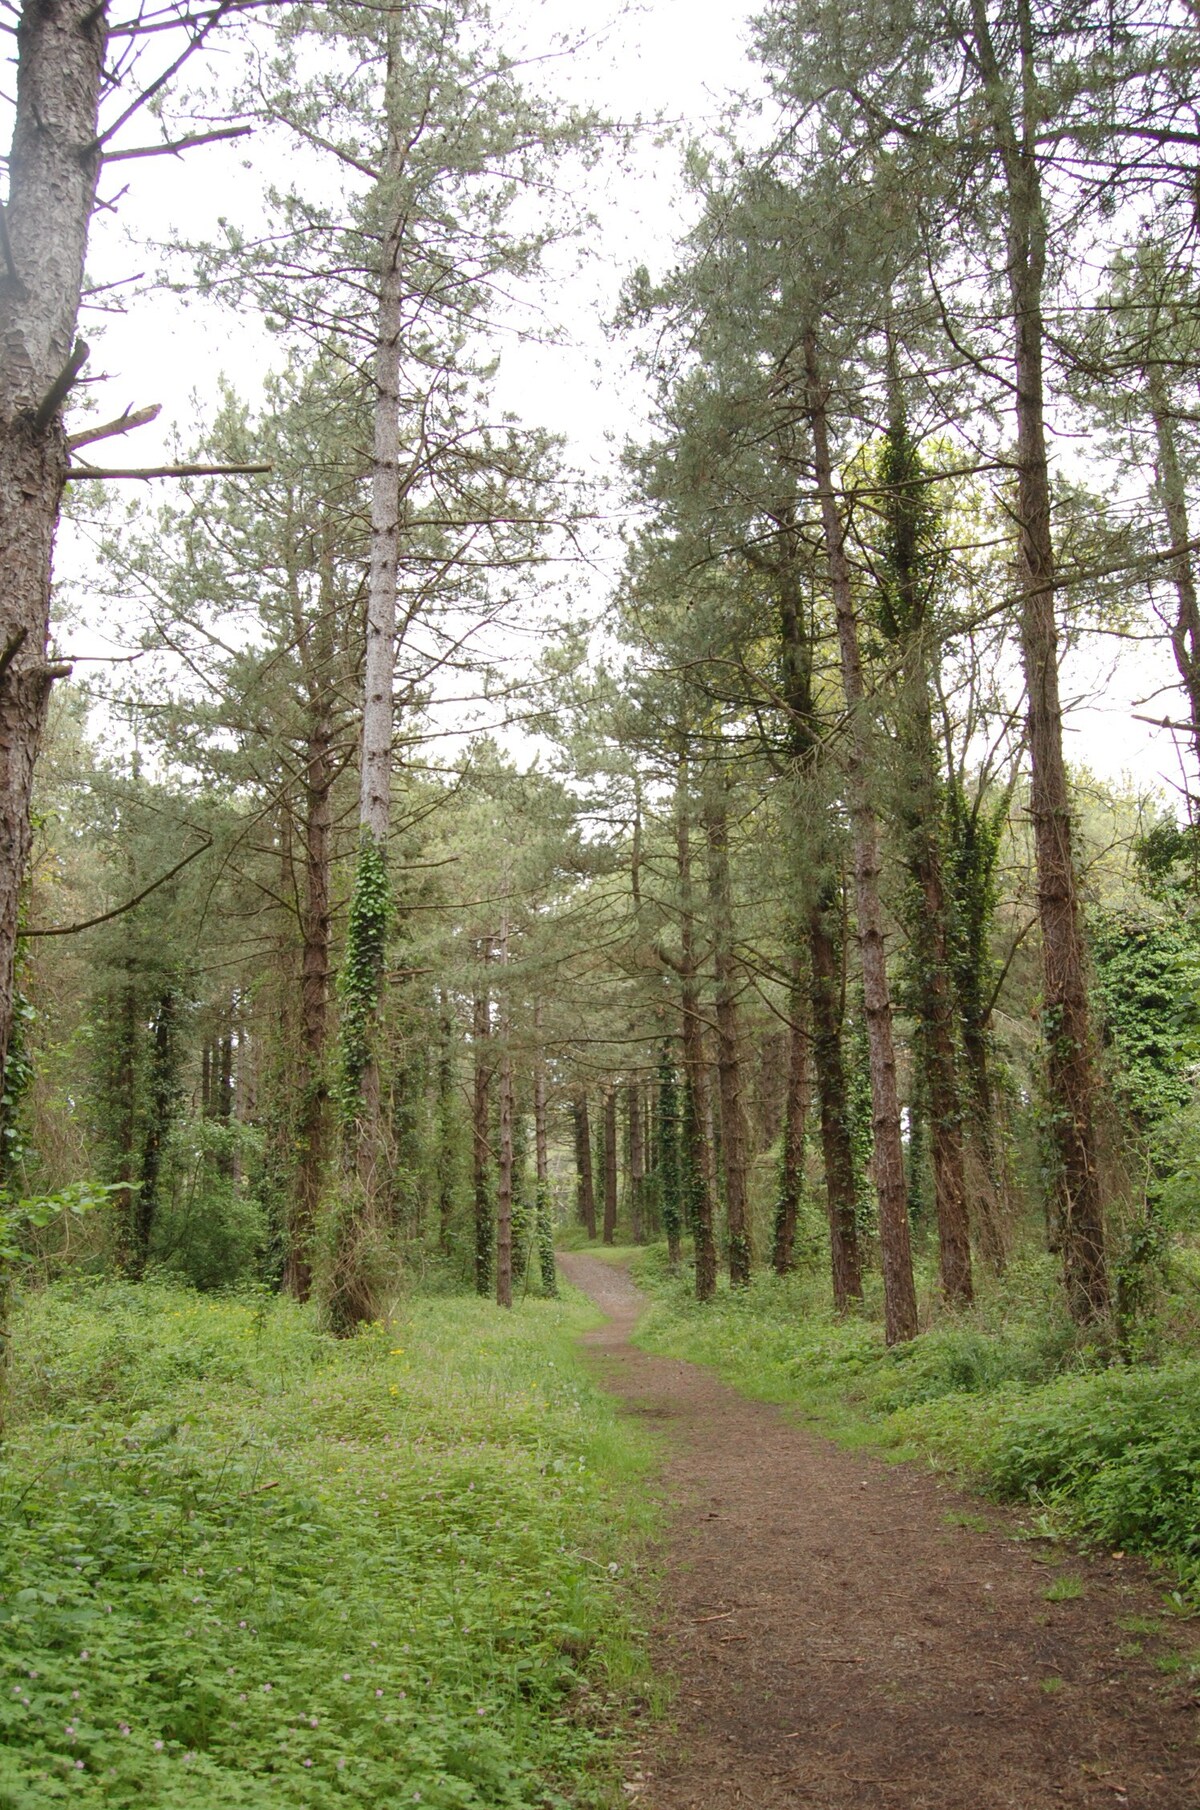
[[842, 1632]]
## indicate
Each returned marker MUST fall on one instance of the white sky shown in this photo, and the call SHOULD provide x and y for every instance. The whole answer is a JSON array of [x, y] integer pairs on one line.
[[675, 59]]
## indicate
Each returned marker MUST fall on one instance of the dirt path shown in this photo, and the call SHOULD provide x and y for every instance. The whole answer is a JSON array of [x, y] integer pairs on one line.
[[843, 1632]]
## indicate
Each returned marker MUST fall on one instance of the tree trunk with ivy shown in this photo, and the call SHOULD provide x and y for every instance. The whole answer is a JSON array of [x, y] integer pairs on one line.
[[446, 1123], [734, 1137], [795, 1118], [823, 926], [543, 1195], [1013, 103], [637, 1158], [899, 1290], [908, 571], [316, 926], [481, 1148], [585, 1189], [361, 984], [504, 1183], [696, 1160], [670, 1177], [610, 1164], [162, 1102]]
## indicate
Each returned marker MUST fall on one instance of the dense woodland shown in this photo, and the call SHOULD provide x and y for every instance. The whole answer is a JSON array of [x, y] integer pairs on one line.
[[400, 905]]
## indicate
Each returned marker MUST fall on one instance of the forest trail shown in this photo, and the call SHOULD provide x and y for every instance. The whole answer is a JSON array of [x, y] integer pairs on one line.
[[844, 1632]]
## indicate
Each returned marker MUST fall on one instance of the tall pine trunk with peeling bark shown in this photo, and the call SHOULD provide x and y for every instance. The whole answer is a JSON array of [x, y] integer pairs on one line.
[[53, 165], [379, 657]]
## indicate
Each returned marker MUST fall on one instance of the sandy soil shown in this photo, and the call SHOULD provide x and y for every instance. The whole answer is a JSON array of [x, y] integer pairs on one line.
[[845, 1632]]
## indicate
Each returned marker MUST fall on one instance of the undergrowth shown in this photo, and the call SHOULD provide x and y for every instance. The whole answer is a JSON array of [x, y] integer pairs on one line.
[[245, 1564], [1007, 1392]]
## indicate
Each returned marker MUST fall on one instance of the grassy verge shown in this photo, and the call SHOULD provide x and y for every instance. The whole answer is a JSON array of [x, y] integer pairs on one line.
[[1006, 1393], [243, 1564]]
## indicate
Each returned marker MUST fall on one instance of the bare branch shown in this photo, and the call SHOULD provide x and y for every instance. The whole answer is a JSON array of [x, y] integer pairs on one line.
[[178, 144], [106, 917], [168, 471], [124, 424]]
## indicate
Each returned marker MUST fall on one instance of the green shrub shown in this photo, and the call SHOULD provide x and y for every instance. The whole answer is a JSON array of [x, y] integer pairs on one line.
[[1117, 1453]]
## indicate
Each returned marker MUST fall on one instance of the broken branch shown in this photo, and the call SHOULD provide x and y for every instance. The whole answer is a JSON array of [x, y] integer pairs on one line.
[[124, 424], [56, 395], [6, 250]]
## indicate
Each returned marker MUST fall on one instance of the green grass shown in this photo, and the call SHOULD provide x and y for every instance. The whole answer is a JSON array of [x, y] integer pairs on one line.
[[1064, 1590], [244, 1564], [1007, 1393]]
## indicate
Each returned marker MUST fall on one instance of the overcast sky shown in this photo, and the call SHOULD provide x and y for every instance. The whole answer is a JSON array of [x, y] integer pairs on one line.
[[671, 59]]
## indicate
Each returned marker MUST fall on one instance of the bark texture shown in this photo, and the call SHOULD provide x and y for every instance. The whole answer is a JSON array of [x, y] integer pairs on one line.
[[53, 166], [1185, 632]]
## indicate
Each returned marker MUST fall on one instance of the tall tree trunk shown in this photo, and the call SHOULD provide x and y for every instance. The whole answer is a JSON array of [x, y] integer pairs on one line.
[[795, 1118], [372, 888], [1185, 634], [585, 1189], [124, 1107], [445, 1124], [1065, 1008], [975, 844], [920, 814], [53, 165], [837, 1145], [504, 1186], [162, 1096], [670, 1174], [729, 1066], [695, 1144], [899, 1292], [637, 1159], [610, 1163], [481, 1027], [823, 928], [312, 1129], [541, 1165]]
